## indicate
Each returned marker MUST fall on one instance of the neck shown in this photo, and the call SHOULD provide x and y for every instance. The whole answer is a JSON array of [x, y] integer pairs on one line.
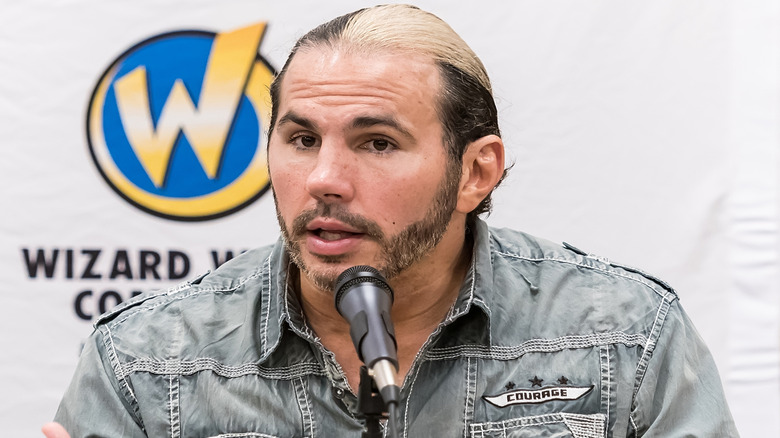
[[424, 294]]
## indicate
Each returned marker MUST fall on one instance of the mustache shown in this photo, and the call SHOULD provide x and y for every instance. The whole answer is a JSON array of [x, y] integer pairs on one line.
[[339, 213]]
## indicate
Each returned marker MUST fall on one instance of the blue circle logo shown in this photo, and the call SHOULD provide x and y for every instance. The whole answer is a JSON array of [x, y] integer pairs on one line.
[[176, 124]]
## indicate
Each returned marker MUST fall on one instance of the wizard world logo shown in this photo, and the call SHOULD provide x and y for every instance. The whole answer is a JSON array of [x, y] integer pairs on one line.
[[176, 123]]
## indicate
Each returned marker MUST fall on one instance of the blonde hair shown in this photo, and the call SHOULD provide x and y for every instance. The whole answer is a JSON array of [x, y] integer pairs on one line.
[[408, 28]]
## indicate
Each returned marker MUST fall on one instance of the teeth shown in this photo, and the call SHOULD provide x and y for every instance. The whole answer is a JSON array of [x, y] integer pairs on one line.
[[331, 235]]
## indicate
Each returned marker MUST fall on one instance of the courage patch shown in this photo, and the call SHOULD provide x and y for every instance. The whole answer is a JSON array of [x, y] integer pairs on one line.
[[535, 396]]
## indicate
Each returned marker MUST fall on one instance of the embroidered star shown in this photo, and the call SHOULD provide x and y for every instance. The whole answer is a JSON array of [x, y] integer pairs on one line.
[[510, 386], [563, 381], [536, 382]]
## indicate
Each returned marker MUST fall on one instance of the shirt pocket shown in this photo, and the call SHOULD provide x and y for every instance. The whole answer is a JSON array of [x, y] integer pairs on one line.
[[558, 425]]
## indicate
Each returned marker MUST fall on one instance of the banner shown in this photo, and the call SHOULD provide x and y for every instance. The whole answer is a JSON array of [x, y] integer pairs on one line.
[[135, 159]]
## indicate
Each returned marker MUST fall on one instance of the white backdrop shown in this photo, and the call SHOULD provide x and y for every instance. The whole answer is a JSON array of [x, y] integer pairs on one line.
[[646, 132]]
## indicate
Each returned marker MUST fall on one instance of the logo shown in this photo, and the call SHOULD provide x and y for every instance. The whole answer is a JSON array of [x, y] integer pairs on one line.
[[176, 123], [525, 396], [534, 396]]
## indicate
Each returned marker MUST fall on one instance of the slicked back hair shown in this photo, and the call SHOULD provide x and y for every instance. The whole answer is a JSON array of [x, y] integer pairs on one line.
[[465, 105]]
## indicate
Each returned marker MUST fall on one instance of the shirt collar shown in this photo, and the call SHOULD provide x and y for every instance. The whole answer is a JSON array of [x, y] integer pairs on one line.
[[473, 300], [272, 309]]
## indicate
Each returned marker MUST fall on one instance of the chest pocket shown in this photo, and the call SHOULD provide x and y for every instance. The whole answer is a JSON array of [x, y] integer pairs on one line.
[[558, 425]]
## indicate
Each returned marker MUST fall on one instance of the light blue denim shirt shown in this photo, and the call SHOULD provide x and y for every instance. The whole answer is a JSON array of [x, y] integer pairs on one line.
[[542, 341]]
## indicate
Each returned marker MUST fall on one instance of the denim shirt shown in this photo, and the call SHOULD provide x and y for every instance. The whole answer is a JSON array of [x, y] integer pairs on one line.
[[542, 341]]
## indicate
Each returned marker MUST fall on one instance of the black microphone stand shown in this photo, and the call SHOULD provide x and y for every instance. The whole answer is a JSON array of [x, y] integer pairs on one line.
[[370, 405]]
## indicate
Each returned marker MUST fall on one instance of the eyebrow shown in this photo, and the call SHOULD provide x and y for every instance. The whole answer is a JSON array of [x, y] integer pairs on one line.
[[390, 122], [292, 117]]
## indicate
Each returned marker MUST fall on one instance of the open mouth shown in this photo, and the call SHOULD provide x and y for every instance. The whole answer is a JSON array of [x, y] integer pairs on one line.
[[331, 235]]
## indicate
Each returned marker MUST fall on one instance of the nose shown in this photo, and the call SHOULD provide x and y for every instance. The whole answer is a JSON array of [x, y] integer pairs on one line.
[[331, 179]]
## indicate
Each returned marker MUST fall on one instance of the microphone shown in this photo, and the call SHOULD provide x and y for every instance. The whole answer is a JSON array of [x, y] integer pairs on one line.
[[364, 299]]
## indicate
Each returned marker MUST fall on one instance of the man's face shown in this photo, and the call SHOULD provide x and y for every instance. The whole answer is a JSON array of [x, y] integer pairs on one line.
[[360, 173]]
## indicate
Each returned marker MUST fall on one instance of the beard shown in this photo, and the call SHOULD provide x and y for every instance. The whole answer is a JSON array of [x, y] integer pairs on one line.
[[396, 253]]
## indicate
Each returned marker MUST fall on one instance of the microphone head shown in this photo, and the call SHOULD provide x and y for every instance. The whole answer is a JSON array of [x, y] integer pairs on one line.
[[357, 275], [364, 299]]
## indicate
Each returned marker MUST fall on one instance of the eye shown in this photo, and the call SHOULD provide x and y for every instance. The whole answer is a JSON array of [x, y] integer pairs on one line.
[[380, 145], [308, 141], [304, 141]]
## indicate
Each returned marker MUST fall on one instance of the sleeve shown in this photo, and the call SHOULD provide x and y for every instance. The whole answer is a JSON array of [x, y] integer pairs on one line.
[[95, 405], [680, 393]]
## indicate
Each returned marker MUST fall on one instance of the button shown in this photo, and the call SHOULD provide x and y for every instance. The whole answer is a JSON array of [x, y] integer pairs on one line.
[[339, 393]]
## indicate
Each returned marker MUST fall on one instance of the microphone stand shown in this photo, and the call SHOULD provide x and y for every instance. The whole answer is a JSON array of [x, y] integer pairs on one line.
[[370, 405]]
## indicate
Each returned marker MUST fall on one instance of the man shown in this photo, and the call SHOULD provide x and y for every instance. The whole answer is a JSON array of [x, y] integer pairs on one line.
[[384, 147]]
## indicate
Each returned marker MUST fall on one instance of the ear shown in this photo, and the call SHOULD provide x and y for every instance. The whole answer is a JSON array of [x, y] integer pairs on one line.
[[483, 166]]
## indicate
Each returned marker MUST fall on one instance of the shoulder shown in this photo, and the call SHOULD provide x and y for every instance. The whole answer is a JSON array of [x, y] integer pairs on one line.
[[229, 277], [556, 290], [543, 257], [209, 307]]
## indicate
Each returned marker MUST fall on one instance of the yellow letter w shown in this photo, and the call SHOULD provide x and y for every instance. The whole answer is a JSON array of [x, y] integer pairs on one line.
[[206, 124]]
